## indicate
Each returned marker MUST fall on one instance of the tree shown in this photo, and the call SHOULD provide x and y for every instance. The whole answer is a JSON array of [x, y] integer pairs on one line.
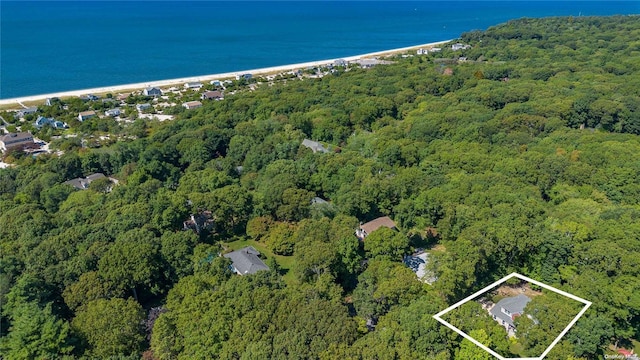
[[132, 262], [471, 351], [386, 243], [382, 286], [36, 333], [110, 327], [177, 251], [295, 204]]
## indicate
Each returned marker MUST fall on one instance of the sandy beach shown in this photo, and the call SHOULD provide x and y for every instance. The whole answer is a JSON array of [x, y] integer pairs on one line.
[[205, 78]]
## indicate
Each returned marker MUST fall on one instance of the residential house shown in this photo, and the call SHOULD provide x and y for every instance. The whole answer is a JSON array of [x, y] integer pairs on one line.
[[507, 309], [435, 49], [193, 85], [152, 91], [314, 146], [51, 101], [215, 83], [90, 97], [15, 140], [123, 97], [373, 225], [113, 112], [142, 107], [319, 201], [422, 51], [246, 76], [211, 95], [86, 115], [203, 220], [459, 46], [418, 264], [192, 105], [340, 62], [26, 111], [246, 261], [42, 121], [83, 183]]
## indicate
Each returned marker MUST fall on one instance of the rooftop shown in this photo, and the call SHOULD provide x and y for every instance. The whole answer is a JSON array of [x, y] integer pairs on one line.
[[374, 225], [514, 305], [246, 261]]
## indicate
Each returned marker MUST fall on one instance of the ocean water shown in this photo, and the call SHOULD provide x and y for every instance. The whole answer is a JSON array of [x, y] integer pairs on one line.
[[51, 46]]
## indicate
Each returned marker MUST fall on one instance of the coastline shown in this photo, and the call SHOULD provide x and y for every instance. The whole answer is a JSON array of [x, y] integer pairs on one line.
[[179, 81]]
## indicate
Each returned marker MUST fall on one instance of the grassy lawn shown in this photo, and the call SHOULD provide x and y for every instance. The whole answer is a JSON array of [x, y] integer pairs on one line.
[[285, 262]]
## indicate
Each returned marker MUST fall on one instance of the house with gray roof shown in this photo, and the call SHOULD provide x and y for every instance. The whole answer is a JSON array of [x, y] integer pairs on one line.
[[152, 91], [314, 146], [26, 111], [246, 261], [418, 264], [42, 121], [507, 309], [83, 183], [15, 140]]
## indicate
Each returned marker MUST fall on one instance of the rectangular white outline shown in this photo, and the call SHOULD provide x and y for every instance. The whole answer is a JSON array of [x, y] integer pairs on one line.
[[521, 277]]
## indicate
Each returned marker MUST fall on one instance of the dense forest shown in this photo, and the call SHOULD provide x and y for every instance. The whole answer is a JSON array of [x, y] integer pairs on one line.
[[518, 154]]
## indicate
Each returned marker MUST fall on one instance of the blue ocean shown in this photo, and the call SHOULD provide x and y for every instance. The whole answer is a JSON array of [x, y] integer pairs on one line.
[[51, 46]]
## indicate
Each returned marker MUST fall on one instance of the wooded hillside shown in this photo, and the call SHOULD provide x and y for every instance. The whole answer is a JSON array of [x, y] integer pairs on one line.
[[519, 154]]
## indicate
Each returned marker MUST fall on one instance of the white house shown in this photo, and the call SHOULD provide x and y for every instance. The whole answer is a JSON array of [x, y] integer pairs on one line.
[[506, 310], [459, 46], [86, 115], [193, 85]]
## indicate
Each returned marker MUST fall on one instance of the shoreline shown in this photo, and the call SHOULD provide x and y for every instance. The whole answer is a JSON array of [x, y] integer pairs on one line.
[[179, 81]]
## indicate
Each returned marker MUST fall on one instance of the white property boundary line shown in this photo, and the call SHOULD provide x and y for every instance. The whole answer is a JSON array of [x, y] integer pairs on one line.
[[522, 277]]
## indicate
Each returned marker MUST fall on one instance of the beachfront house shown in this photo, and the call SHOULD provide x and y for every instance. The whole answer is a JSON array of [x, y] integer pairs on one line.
[[373, 225], [340, 62], [193, 85], [246, 76], [152, 91], [211, 95], [89, 97], [506, 310], [422, 51], [246, 261], [15, 141], [216, 83], [189, 105], [86, 115], [51, 101]]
